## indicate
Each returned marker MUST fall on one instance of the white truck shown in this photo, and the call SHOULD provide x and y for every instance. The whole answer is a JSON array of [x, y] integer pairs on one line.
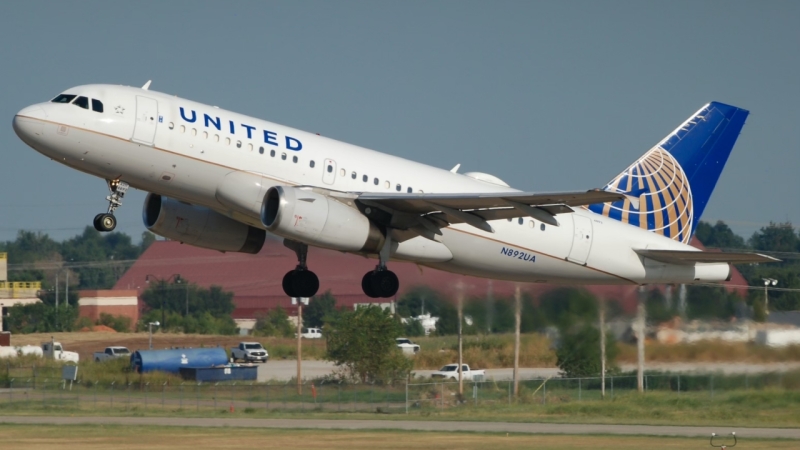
[[111, 353], [407, 346], [54, 350], [450, 372], [249, 351]]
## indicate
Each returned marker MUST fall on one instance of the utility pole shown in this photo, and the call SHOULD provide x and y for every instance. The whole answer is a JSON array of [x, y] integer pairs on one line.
[[640, 317], [460, 353], [299, 346], [56, 318], [517, 323], [602, 347]]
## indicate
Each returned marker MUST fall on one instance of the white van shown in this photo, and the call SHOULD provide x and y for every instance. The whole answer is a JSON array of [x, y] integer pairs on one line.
[[312, 333]]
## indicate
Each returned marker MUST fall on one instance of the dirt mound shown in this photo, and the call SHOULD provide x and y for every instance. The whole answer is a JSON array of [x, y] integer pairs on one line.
[[99, 329]]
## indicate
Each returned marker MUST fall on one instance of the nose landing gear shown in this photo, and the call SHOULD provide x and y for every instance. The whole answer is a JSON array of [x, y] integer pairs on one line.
[[107, 222]]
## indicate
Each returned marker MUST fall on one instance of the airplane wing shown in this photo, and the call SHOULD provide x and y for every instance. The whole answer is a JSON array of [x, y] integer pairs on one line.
[[690, 257], [437, 210]]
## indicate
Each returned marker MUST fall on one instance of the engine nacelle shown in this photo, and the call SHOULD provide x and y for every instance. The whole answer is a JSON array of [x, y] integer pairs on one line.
[[199, 226], [318, 220]]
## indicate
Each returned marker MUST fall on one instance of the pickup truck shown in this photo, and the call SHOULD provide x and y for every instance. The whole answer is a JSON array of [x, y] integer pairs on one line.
[[54, 350], [249, 351], [406, 345], [450, 372], [111, 353]]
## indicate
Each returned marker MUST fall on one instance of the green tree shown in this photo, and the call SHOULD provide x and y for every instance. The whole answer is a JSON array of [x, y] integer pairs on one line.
[[579, 352], [420, 298], [710, 302], [319, 307], [274, 323], [565, 307], [718, 235], [413, 328], [363, 343], [40, 318], [448, 320], [656, 307], [121, 324]]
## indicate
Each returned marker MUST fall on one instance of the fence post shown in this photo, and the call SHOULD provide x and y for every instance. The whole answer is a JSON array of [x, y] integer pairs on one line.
[[406, 397], [712, 387], [197, 396], [163, 389], [509, 392], [10, 390], [128, 405], [215, 396], [339, 396], [442, 395], [645, 383], [180, 399], [266, 390], [612, 388], [544, 392], [233, 388], [112, 394], [580, 390]]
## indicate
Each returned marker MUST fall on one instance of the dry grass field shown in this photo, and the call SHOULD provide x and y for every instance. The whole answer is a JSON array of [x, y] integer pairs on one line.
[[24, 437]]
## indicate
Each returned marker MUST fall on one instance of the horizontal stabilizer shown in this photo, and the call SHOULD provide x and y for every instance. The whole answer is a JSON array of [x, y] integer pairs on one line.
[[690, 257]]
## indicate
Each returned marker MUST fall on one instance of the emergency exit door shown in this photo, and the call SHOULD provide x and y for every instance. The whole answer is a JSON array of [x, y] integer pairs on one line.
[[144, 130]]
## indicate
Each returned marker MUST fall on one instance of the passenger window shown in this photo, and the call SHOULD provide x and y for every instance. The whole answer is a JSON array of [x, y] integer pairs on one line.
[[294, 159], [205, 134], [216, 138], [387, 184], [532, 224], [194, 132], [364, 178], [238, 144], [353, 175], [283, 156], [509, 219], [63, 98], [311, 164], [183, 129], [541, 227], [261, 150], [97, 105], [409, 190], [171, 125], [228, 141], [399, 188], [520, 220], [375, 181], [81, 101], [330, 168], [272, 153], [250, 147], [342, 172]]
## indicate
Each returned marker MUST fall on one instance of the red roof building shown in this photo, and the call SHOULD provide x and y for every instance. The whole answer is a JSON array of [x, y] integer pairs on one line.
[[256, 280]]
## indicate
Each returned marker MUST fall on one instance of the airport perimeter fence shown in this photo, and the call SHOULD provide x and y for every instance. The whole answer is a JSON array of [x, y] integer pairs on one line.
[[41, 390]]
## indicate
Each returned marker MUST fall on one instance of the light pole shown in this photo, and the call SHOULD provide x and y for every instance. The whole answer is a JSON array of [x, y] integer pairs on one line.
[[767, 282], [177, 278], [150, 328]]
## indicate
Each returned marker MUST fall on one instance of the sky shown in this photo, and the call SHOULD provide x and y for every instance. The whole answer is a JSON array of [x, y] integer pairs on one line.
[[550, 95]]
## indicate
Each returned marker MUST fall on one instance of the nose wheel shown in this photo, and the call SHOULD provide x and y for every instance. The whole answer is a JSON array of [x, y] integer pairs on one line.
[[107, 222]]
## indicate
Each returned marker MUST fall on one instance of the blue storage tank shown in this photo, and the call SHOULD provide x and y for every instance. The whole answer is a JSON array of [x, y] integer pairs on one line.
[[173, 359]]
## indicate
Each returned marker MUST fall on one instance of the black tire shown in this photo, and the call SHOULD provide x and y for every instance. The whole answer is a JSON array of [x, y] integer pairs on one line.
[[288, 284], [385, 283], [308, 283], [106, 223], [366, 285], [96, 222]]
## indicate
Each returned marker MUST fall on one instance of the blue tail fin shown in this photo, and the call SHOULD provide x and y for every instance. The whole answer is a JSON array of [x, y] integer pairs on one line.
[[675, 179]]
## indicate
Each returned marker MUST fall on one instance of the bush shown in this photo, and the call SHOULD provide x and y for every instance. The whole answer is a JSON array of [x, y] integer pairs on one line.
[[274, 323], [579, 353], [120, 324]]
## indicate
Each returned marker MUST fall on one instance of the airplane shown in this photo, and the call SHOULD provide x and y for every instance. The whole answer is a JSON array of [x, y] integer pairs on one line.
[[221, 180]]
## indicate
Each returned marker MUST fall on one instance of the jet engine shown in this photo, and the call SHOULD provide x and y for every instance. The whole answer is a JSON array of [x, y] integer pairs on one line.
[[199, 226], [315, 219]]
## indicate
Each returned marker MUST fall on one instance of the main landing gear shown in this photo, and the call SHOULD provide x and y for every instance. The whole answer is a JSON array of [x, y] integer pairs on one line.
[[107, 222], [381, 282], [300, 282]]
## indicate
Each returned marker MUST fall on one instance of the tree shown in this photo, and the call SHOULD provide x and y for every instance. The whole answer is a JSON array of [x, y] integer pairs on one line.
[[565, 307], [274, 323], [656, 307], [413, 328], [412, 303], [448, 320], [318, 309], [363, 343], [40, 318], [710, 302], [718, 235], [579, 352]]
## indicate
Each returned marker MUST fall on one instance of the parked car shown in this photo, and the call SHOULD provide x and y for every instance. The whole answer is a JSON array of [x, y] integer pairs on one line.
[[54, 350], [450, 372], [407, 346], [312, 333], [249, 352], [112, 352]]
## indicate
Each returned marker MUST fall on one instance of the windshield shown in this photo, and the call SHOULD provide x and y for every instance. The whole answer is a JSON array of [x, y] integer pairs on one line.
[[63, 98], [252, 346], [403, 341], [122, 351], [450, 368]]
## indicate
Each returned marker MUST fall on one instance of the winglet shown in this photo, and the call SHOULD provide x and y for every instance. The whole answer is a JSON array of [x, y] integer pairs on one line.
[[455, 169], [147, 85]]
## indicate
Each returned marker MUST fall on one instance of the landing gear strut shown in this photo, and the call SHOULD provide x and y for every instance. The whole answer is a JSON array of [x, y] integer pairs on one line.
[[381, 282], [300, 282], [107, 222]]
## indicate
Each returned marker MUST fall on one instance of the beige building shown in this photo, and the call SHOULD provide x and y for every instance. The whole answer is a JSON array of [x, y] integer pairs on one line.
[[15, 292]]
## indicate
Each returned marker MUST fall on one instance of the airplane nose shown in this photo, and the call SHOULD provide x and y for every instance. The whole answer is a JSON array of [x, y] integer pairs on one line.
[[28, 123]]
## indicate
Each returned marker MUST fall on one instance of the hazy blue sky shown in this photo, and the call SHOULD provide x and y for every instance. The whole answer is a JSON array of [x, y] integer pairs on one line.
[[545, 95]]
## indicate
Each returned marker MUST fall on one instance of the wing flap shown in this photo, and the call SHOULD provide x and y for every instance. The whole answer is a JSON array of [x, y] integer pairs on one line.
[[690, 257]]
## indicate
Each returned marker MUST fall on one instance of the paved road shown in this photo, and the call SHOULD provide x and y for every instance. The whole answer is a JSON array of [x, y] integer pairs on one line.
[[284, 370], [414, 425]]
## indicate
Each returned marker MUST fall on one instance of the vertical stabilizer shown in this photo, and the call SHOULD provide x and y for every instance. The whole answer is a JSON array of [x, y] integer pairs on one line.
[[674, 180]]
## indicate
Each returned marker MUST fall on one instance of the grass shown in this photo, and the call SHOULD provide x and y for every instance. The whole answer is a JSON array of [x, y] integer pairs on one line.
[[85, 437], [710, 351], [484, 351]]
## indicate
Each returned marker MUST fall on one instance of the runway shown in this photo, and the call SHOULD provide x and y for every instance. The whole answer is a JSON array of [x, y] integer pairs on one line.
[[415, 425]]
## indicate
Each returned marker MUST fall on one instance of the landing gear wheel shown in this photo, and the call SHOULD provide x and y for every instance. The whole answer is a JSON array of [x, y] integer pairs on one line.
[[380, 284], [105, 222], [366, 285], [300, 283]]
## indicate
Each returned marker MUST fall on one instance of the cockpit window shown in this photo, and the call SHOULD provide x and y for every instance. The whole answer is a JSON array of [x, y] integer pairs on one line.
[[97, 105], [83, 102], [63, 98]]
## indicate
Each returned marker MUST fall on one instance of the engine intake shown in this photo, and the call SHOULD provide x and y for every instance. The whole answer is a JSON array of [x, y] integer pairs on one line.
[[199, 226], [319, 220]]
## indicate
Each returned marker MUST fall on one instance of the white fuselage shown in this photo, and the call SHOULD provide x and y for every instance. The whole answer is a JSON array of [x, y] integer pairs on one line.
[[144, 138]]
